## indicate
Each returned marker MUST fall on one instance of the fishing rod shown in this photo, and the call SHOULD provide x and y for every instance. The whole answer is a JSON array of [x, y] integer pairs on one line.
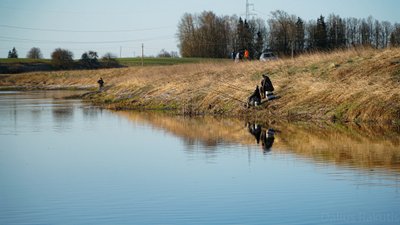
[[233, 86], [226, 95]]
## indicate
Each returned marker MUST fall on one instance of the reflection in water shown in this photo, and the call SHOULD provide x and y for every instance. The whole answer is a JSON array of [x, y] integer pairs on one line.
[[151, 168], [38, 105], [351, 146], [208, 132], [91, 113], [267, 136], [63, 113]]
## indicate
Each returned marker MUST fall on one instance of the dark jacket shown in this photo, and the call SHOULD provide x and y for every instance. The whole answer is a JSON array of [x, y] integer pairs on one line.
[[100, 82], [267, 84], [255, 97]]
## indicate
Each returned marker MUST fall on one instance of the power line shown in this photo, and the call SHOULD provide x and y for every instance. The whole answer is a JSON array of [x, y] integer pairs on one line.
[[83, 42], [83, 31], [70, 12]]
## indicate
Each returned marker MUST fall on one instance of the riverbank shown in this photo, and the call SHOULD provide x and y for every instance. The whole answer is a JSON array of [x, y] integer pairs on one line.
[[360, 85]]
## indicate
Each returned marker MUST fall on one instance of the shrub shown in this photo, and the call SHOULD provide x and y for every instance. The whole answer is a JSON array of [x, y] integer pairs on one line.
[[109, 60], [62, 58], [89, 60]]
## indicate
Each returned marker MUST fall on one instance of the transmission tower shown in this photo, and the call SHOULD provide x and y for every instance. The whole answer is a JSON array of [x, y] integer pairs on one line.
[[248, 13]]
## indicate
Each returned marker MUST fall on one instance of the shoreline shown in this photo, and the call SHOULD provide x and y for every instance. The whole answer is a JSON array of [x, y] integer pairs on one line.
[[343, 86], [253, 114]]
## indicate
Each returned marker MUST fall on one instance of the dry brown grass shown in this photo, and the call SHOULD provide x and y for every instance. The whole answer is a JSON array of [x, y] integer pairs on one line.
[[351, 85]]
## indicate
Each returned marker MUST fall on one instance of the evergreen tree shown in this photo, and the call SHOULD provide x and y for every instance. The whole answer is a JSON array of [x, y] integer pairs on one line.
[[241, 40], [249, 38], [13, 53], [321, 41], [259, 45]]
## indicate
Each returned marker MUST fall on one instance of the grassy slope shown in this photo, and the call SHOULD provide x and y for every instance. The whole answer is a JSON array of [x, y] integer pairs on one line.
[[355, 85]]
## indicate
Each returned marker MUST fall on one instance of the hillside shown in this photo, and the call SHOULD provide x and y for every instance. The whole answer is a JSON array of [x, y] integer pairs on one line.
[[352, 85]]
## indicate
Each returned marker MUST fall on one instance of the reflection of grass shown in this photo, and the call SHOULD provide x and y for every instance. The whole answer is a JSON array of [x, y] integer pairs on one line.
[[355, 146], [363, 147]]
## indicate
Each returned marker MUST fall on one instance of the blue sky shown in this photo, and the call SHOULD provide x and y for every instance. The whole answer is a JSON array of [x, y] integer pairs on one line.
[[111, 26]]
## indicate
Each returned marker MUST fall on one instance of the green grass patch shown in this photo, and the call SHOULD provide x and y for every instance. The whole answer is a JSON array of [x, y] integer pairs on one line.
[[23, 60], [154, 61], [396, 75], [147, 61], [314, 68]]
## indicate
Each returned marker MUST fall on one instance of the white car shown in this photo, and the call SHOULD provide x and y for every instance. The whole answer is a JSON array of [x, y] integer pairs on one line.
[[268, 56]]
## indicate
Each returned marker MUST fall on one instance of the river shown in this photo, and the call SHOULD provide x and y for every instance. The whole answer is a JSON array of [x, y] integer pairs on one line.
[[66, 162]]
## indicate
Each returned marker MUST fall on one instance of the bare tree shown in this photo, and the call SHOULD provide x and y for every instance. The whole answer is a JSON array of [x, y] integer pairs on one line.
[[34, 53], [395, 36], [386, 31], [282, 31], [205, 35]]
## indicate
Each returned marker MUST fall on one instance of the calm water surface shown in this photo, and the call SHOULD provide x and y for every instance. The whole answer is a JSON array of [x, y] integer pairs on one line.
[[64, 162]]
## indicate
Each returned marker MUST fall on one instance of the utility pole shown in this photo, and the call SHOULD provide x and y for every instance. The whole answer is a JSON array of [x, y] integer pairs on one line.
[[142, 53]]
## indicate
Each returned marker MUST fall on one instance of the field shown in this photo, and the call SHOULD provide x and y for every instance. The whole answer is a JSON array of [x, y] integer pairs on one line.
[[23, 60], [147, 61], [359, 85]]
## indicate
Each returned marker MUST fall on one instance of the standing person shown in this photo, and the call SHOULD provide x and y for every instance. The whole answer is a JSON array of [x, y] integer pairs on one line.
[[233, 55], [237, 58], [246, 54], [101, 83]]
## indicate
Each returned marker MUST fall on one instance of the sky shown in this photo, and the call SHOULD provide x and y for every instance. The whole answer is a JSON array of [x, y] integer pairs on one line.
[[122, 26]]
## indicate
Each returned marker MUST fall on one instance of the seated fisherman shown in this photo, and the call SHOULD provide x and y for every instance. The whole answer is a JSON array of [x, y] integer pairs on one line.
[[255, 98], [267, 88]]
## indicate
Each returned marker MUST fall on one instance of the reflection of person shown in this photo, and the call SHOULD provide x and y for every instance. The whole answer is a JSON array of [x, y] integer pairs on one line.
[[267, 139], [255, 130], [101, 83]]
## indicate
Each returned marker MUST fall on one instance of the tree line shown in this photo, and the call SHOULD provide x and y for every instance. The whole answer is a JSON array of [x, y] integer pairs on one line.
[[64, 59], [209, 35]]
